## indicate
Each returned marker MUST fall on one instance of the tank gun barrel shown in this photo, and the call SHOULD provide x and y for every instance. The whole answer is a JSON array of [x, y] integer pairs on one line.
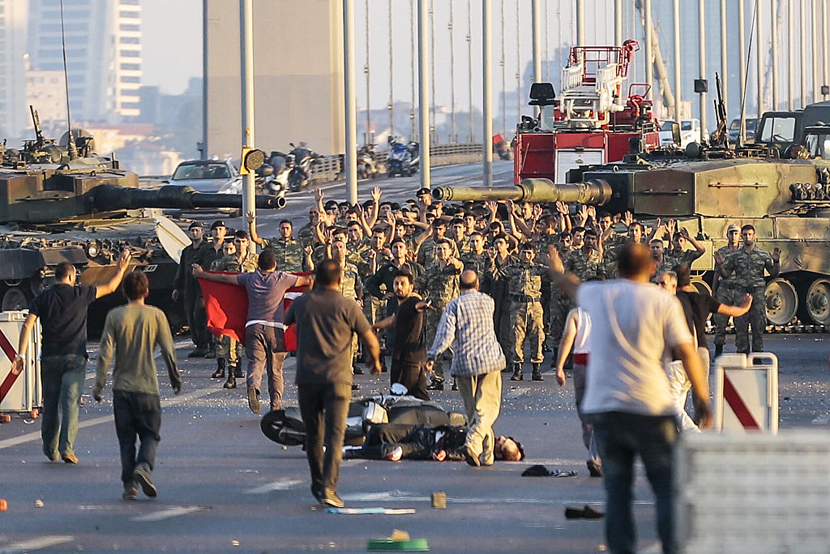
[[595, 192], [115, 197]]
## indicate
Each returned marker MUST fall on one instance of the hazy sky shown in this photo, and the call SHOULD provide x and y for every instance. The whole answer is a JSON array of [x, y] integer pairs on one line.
[[172, 46]]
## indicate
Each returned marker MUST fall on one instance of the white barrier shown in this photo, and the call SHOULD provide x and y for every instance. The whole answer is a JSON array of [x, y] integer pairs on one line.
[[19, 392], [746, 393]]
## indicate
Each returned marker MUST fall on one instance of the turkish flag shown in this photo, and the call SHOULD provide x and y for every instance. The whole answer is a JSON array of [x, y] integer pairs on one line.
[[227, 310]]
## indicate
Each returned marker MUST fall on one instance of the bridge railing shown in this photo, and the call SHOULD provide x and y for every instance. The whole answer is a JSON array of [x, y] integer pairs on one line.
[[329, 168]]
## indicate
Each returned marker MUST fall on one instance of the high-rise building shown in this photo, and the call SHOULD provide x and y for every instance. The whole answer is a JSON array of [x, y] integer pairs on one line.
[[13, 110], [103, 53]]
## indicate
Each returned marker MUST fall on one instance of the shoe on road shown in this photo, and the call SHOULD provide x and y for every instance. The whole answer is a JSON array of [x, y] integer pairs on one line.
[[130, 492], [594, 468], [69, 458], [141, 475], [436, 385], [331, 500]]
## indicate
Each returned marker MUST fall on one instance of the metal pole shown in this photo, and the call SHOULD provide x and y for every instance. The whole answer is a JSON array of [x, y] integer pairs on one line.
[[759, 60], [702, 23], [412, 19], [773, 29], [351, 102], [433, 135], [790, 55], [724, 57], [742, 68], [618, 23], [802, 51], [486, 62], [246, 10], [580, 22], [677, 86], [423, 94], [203, 153], [503, 85], [368, 82], [649, 54], [391, 77], [453, 138], [824, 46], [519, 94], [471, 137], [536, 15]]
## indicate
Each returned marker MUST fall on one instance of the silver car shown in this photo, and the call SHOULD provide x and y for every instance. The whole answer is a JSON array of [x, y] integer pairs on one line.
[[212, 176]]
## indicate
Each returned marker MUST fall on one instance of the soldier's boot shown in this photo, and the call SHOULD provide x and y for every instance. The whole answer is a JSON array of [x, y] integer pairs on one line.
[[220, 369], [537, 372], [231, 382], [718, 350], [517, 372], [237, 371]]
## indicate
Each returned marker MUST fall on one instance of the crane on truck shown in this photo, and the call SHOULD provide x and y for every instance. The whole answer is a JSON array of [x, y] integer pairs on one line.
[[594, 121]]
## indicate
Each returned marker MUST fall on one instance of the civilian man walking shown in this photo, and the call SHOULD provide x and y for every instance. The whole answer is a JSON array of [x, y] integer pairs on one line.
[[467, 324], [62, 310], [325, 322], [132, 333], [627, 390]]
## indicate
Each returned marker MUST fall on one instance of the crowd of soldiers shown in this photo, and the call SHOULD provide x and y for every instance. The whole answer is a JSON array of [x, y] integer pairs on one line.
[[507, 244]]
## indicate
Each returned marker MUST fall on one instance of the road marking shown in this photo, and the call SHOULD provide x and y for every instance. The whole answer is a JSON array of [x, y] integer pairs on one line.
[[282, 485], [167, 514], [401, 496], [36, 544], [29, 437]]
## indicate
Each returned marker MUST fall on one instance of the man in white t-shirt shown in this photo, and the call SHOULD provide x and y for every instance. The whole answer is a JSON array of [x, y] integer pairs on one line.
[[627, 390]]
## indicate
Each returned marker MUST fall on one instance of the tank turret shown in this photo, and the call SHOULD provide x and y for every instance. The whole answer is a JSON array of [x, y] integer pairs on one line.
[[786, 200]]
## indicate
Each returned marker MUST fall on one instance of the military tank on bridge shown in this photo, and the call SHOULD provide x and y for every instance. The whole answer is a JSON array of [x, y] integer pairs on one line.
[[706, 190], [64, 203]]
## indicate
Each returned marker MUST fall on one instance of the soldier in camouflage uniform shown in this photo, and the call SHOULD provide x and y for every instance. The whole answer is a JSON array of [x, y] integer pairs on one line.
[[498, 290], [524, 282], [678, 252], [237, 259], [351, 286], [724, 288], [476, 259], [586, 263], [560, 303], [439, 283], [307, 235], [356, 244], [662, 262], [426, 247], [748, 264], [289, 251]]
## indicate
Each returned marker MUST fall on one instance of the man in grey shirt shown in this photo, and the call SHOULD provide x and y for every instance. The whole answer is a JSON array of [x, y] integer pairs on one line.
[[325, 322], [263, 345]]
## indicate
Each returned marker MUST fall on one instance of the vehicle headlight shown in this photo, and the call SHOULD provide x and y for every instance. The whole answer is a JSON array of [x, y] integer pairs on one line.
[[92, 250]]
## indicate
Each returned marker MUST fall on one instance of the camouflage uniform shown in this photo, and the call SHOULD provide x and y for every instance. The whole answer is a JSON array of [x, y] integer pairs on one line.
[[306, 235], [351, 285], [686, 257], [289, 253], [748, 269], [440, 286], [584, 266], [478, 263], [426, 253], [728, 293], [226, 347], [524, 283]]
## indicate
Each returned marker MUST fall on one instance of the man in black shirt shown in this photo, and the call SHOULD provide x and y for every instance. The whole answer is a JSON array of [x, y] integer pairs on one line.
[[187, 288], [409, 351], [62, 310]]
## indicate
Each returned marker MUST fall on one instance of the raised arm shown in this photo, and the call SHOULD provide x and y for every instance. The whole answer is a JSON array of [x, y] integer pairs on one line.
[[252, 229], [112, 285]]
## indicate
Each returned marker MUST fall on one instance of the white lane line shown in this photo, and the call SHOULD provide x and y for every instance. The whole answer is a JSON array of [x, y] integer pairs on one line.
[[167, 514], [282, 485], [29, 437], [36, 544], [399, 496]]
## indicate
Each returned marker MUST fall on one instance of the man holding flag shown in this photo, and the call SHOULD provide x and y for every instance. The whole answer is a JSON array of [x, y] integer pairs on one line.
[[264, 341]]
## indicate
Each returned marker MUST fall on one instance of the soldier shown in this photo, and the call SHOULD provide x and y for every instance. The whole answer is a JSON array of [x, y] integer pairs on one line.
[[218, 231], [748, 263], [237, 259], [439, 283], [289, 251], [427, 242], [187, 287], [662, 262], [524, 282], [498, 290], [462, 245], [678, 252], [724, 288], [560, 304], [586, 262], [475, 258], [308, 232], [356, 244]]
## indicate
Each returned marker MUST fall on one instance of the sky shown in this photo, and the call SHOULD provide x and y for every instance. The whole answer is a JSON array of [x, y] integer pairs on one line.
[[172, 48]]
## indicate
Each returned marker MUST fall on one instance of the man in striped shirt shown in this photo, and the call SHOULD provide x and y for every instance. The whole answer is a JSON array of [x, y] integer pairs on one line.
[[467, 326]]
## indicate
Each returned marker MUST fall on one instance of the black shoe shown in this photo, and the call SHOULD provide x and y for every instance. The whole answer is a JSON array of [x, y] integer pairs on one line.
[[237, 371], [331, 500], [358, 370], [537, 372], [718, 350], [230, 383], [253, 400], [454, 385], [518, 375], [436, 385], [220, 369], [594, 468], [198, 352], [471, 459], [142, 476]]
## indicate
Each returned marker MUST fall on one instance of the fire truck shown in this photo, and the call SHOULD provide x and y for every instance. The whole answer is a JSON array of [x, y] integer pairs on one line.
[[592, 121]]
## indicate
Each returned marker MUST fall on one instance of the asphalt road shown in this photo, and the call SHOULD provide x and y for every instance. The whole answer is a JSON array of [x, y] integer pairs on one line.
[[225, 487]]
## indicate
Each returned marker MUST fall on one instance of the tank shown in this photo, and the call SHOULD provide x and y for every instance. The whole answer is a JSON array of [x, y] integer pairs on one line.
[[66, 204], [787, 200]]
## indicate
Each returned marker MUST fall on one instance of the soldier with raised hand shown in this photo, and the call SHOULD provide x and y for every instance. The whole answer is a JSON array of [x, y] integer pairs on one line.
[[476, 258], [288, 250], [524, 282], [748, 264], [439, 283], [586, 262], [679, 254], [725, 289]]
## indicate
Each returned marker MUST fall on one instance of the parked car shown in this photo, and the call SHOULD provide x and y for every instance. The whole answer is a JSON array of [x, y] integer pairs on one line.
[[735, 129], [214, 176], [689, 132]]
